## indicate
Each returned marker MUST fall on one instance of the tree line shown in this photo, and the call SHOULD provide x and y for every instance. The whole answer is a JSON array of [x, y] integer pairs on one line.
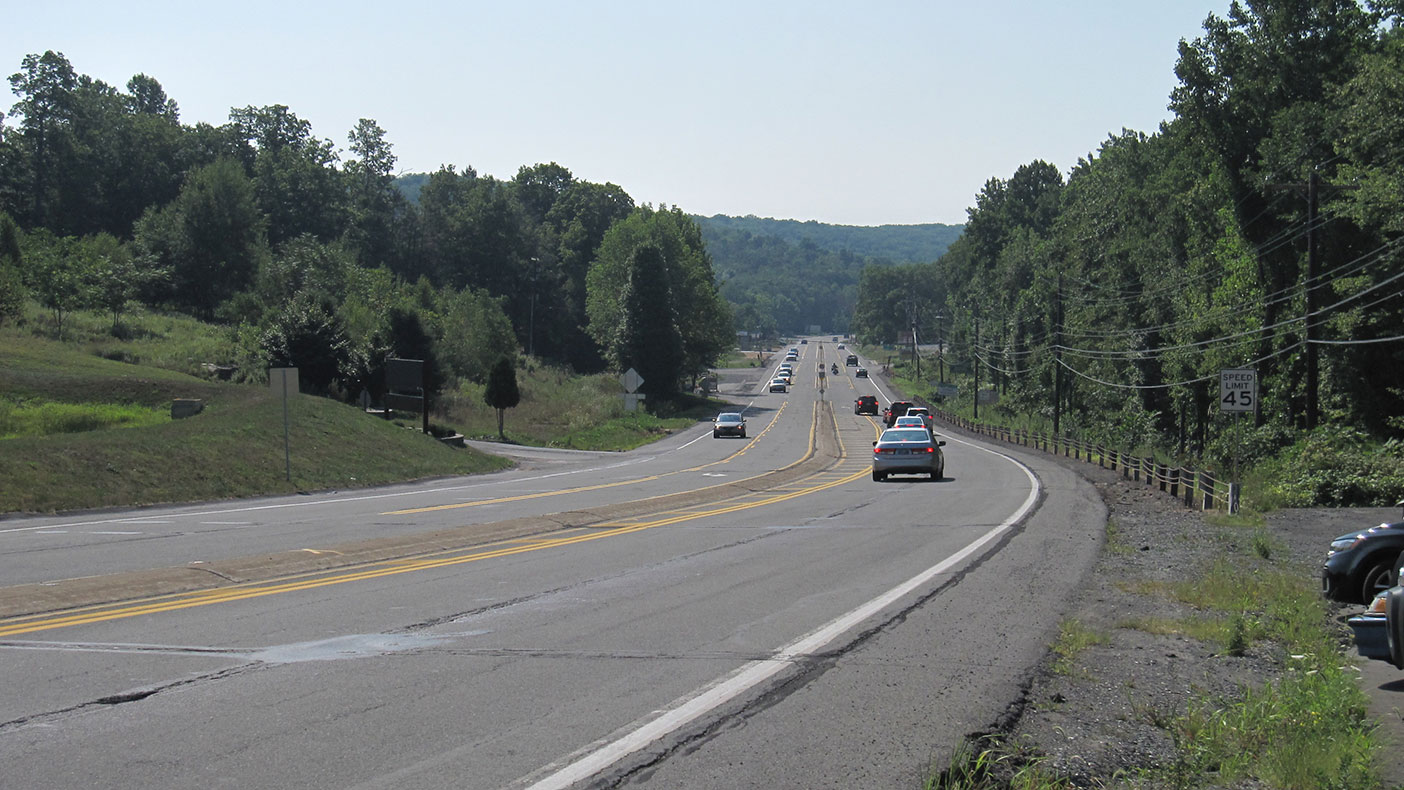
[[312, 255], [783, 276], [1258, 228]]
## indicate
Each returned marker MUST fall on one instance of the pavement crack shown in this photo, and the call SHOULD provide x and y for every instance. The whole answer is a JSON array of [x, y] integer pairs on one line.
[[122, 698]]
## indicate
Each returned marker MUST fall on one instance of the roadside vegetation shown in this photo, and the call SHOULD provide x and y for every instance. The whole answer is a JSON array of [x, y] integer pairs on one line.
[[1306, 728], [86, 422]]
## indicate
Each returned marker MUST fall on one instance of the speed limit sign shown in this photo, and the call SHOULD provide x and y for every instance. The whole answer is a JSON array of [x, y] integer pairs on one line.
[[1238, 389]]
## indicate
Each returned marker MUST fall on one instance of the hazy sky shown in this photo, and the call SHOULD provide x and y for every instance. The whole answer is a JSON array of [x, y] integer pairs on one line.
[[851, 113]]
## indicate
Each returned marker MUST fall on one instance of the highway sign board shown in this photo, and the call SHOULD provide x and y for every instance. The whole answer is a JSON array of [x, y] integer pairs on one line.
[[1238, 389]]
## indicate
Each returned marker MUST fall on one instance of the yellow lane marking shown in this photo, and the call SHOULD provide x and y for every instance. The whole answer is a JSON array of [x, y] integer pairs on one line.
[[89, 615], [246, 592], [600, 487]]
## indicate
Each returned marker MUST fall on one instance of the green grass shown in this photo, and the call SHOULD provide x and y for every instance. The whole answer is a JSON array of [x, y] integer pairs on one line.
[[84, 422], [31, 418], [1073, 638]]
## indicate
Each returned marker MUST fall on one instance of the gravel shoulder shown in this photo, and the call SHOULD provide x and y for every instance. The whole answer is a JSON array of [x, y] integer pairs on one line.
[[1095, 723]]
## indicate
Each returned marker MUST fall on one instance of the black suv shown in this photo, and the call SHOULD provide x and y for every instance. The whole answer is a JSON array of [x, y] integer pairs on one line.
[[897, 409], [1364, 563], [866, 404]]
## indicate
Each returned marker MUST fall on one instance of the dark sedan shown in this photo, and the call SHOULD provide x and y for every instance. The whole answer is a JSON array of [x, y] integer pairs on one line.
[[1362, 564], [729, 424]]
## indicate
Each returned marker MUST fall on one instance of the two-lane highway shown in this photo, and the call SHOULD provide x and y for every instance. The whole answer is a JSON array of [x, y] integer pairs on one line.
[[697, 620]]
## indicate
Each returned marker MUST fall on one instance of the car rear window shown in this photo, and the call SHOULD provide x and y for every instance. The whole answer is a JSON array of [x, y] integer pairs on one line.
[[905, 435]]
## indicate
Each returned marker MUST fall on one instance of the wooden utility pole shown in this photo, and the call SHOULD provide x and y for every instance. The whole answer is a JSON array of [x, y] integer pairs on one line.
[[1058, 357], [975, 362], [1313, 374]]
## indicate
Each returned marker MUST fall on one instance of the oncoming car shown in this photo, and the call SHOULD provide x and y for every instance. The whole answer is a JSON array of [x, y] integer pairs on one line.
[[779, 385], [912, 451], [729, 424]]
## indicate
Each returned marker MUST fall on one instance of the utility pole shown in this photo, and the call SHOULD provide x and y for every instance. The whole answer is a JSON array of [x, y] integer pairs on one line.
[[940, 351], [1313, 374], [975, 362], [916, 353], [1058, 357], [1313, 267]]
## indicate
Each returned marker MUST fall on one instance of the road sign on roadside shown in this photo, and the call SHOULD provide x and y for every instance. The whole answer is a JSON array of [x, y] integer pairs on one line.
[[631, 380], [1238, 389]]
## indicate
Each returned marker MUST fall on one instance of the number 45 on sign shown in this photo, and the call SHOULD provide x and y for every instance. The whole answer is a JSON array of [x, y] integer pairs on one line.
[[1238, 389]]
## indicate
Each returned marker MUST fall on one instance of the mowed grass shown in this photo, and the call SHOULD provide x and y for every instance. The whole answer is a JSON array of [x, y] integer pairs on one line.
[[85, 421], [560, 409]]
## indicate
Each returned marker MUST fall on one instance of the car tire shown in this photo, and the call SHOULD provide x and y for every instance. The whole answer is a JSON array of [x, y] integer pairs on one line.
[[1378, 578], [743, 434], [878, 477], [939, 474]]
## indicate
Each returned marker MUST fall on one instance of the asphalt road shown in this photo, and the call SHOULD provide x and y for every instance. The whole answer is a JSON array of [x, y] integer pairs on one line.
[[699, 613]]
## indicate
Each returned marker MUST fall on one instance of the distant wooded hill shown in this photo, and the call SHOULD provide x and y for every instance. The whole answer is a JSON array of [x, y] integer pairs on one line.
[[896, 243], [784, 276]]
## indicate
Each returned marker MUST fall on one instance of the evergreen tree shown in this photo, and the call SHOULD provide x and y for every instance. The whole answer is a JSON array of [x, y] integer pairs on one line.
[[501, 392]]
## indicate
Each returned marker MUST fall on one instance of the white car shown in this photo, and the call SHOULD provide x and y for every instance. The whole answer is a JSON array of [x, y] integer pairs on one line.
[[779, 385]]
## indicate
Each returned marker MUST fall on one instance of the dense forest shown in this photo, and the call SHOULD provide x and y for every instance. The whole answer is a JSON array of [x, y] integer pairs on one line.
[[783, 276], [313, 257], [1259, 228]]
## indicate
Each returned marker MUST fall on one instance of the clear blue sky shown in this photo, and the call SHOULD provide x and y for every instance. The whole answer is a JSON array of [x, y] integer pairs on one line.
[[847, 113]]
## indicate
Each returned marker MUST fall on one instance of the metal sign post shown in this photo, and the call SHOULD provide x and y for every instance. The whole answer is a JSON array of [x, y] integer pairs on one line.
[[631, 381], [1238, 392], [284, 379]]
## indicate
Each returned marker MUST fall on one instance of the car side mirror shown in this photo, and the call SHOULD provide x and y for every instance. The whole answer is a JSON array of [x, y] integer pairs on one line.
[[941, 443], [875, 442]]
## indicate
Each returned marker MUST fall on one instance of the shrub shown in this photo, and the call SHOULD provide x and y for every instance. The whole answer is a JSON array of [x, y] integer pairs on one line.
[[1337, 467]]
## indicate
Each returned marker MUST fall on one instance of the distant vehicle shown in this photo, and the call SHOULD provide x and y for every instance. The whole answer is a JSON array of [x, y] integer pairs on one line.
[[792, 357], [909, 422], [860, 373], [804, 342], [836, 340], [866, 404], [852, 361], [779, 385], [840, 345], [729, 424], [908, 451]]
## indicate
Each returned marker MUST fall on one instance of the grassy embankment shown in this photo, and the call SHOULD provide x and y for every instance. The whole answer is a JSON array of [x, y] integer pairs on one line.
[[85, 422], [1305, 729]]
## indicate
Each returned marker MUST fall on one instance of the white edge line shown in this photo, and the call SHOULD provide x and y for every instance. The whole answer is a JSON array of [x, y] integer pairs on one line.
[[719, 692]]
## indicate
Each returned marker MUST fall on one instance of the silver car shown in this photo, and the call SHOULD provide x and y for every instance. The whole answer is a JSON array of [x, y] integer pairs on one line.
[[912, 451]]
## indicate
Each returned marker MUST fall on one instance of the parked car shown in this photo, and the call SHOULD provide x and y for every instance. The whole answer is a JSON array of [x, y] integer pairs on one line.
[[908, 451], [1362, 564], [779, 385], [866, 404], [729, 424], [860, 373]]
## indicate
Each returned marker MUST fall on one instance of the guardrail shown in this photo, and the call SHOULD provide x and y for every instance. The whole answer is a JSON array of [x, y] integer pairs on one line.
[[1195, 487]]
